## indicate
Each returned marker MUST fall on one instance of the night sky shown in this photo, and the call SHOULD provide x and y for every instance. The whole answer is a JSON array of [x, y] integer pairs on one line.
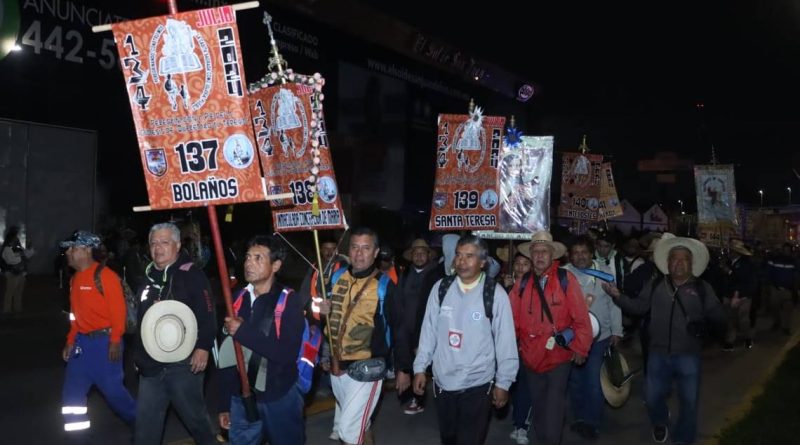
[[645, 77]]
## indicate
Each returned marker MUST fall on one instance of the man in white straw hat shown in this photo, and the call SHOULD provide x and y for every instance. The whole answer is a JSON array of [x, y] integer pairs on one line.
[[586, 395], [743, 287], [415, 285], [553, 330], [683, 309], [177, 328]]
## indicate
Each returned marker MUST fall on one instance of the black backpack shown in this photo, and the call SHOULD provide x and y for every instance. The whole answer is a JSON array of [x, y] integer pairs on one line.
[[131, 302], [488, 293]]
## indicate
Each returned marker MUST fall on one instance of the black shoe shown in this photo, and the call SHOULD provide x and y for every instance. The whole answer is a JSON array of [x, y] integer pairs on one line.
[[748, 344], [728, 347], [660, 434]]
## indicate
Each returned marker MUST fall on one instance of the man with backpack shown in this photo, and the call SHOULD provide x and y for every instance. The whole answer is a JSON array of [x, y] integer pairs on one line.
[[93, 350], [683, 311], [468, 334], [269, 322], [553, 330], [364, 321]]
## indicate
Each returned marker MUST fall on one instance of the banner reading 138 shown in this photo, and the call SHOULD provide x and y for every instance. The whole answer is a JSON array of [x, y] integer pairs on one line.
[[291, 136], [465, 193], [185, 79]]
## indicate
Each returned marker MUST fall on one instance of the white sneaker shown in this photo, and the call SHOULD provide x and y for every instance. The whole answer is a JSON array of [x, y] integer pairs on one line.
[[520, 435], [334, 436]]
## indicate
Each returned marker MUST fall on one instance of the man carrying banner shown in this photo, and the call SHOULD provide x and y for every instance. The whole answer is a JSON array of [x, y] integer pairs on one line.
[[586, 395], [553, 330], [274, 341], [93, 351], [744, 285], [162, 380], [468, 334], [363, 322]]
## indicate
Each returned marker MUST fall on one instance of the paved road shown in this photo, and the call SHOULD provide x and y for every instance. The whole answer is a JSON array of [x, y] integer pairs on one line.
[[31, 373]]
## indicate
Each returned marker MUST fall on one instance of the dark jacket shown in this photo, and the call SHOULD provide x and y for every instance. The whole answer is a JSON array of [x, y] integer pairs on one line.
[[744, 278], [280, 352], [184, 282], [415, 287], [668, 325]]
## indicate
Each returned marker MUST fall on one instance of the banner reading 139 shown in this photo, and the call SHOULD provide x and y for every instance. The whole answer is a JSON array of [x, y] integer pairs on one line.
[[465, 192], [185, 79]]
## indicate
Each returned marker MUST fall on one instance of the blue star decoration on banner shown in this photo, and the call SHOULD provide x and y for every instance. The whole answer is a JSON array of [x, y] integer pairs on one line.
[[513, 138]]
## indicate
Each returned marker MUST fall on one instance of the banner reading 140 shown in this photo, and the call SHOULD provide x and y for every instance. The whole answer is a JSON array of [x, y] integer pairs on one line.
[[465, 193], [185, 80]]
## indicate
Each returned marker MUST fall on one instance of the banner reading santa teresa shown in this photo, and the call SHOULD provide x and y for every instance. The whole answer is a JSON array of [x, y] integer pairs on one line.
[[185, 80], [465, 191], [293, 144], [580, 186], [716, 203]]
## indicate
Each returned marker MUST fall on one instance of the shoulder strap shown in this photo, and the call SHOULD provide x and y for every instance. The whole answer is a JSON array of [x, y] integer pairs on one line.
[[237, 302], [562, 279], [444, 286], [488, 297], [523, 282], [655, 283], [279, 307], [383, 285], [543, 301], [98, 281], [346, 316], [336, 275]]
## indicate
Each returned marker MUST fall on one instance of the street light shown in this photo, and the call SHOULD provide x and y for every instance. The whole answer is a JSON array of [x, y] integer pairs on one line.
[[681, 203], [761, 195]]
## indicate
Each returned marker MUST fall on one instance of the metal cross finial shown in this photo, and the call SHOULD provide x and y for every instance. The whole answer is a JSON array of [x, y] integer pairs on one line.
[[276, 62], [584, 147]]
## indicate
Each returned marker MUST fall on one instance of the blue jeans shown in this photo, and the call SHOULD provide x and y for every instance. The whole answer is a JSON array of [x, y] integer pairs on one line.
[[521, 399], [88, 365], [176, 385], [685, 369], [586, 395], [281, 421]]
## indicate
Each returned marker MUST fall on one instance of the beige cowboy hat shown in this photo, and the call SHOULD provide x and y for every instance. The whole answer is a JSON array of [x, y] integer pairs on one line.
[[654, 242], [698, 249], [543, 238], [738, 246], [169, 331], [418, 243], [615, 380], [502, 254]]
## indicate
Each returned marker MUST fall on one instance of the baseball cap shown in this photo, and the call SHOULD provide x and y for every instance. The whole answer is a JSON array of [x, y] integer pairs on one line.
[[81, 238]]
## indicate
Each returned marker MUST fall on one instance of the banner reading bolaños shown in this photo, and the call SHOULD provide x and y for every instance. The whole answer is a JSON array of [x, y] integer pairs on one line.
[[291, 136], [465, 192], [185, 79]]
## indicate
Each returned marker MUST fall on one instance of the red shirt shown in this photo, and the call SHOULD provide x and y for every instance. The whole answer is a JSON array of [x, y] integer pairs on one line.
[[533, 328], [92, 310]]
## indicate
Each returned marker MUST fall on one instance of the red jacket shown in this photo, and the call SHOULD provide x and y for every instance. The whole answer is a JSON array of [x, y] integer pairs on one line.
[[533, 328]]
